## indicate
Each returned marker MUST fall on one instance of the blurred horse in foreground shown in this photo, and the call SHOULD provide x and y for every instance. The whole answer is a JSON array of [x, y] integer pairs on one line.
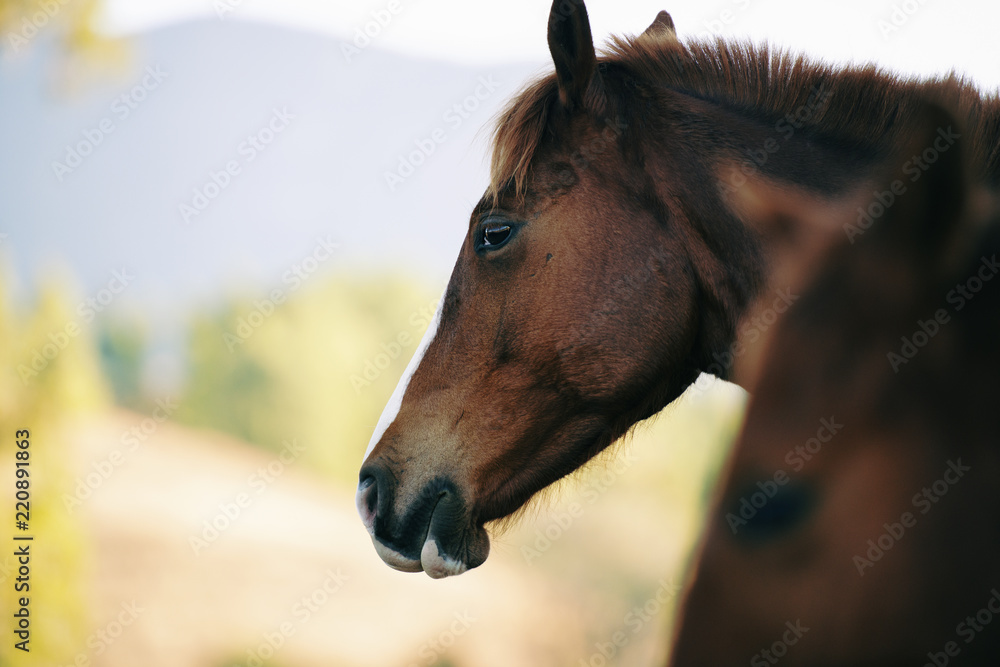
[[859, 522]]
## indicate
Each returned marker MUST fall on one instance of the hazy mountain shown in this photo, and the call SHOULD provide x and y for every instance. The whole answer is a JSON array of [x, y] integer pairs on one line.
[[197, 93]]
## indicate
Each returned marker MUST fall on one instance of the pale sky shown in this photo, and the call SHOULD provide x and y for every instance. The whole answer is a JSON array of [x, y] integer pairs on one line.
[[929, 36]]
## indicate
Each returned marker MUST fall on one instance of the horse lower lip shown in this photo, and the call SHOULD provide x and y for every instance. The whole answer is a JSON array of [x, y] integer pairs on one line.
[[434, 563], [438, 565], [394, 559], [430, 559]]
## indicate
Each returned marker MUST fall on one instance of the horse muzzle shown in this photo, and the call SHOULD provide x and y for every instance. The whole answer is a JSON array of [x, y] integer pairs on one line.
[[426, 531]]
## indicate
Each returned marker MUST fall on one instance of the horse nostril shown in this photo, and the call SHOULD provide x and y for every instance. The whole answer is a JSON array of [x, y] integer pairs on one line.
[[367, 501]]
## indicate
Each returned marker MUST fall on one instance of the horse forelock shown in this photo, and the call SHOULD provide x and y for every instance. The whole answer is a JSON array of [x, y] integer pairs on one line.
[[519, 130]]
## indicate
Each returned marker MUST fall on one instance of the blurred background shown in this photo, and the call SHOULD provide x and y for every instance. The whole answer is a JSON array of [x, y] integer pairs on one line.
[[217, 218]]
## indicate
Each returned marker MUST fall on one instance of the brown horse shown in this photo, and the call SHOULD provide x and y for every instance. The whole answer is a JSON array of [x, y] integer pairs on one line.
[[614, 258], [860, 523]]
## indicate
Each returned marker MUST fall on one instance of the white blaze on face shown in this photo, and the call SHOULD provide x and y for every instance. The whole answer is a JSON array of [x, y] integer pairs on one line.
[[396, 400]]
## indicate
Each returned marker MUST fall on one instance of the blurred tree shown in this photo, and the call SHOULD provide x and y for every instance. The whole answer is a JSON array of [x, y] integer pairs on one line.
[[86, 53], [49, 372], [48, 376], [122, 346], [317, 368], [232, 391]]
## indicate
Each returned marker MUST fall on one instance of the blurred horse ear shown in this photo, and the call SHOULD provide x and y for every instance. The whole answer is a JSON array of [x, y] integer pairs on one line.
[[915, 215], [918, 213], [572, 49], [662, 26]]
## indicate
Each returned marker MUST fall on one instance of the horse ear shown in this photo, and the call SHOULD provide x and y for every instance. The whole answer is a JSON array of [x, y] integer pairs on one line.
[[923, 223], [662, 26], [915, 215], [572, 49]]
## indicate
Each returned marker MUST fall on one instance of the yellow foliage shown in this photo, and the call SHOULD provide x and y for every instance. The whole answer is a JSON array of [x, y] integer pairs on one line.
[[40, 394], [86, 55], [318, 369]]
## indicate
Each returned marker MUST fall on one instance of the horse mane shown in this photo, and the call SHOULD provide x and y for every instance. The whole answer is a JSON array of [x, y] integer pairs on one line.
[[866, 104]]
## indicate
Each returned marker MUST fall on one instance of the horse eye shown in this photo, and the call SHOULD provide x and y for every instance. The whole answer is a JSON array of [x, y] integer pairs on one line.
[[762, 514], [495, 235]]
